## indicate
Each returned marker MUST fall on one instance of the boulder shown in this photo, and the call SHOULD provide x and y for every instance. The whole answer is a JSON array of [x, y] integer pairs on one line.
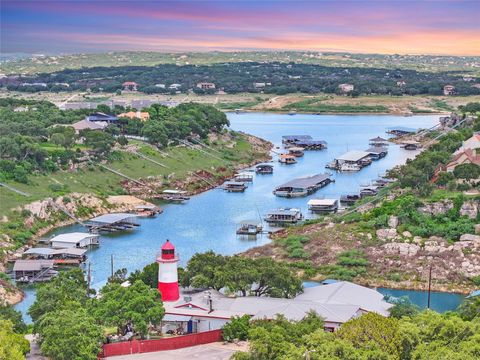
[[436, 208], [469, 209], [386, 234], [407, 234], [393, 222], [470, 237], [403, 249], [477, 228]]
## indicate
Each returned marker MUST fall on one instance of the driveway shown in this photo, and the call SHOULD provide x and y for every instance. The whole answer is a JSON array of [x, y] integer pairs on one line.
[[214, 351]]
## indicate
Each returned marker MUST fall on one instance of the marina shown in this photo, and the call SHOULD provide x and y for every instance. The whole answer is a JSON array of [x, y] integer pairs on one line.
[[302, 186], [219, 212]]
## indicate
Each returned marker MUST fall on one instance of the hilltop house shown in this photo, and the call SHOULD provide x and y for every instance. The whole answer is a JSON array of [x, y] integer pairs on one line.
[[468, 153], [99, 116], [346, 88], [206, 85], [85, 124], [448, 90]]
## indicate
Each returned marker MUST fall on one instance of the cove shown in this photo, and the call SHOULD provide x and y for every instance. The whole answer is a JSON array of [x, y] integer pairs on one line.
[[208, 221]]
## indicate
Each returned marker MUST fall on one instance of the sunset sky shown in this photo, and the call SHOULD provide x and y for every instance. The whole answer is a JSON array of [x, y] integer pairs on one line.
[[414, 27]]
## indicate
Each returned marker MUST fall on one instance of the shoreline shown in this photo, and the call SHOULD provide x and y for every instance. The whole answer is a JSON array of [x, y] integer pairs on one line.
[[282, 112]]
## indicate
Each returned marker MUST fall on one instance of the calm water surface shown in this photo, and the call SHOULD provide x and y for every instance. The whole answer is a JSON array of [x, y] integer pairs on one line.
[[208, 221]]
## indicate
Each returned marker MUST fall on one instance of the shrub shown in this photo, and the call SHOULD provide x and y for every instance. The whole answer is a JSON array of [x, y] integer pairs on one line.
[[236, 329]]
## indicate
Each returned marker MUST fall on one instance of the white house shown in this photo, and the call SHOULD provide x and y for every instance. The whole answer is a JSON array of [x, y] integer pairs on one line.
[[336, 303], [346, 88]]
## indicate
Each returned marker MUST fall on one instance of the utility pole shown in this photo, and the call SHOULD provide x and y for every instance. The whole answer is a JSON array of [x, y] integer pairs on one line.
[[111, 264], [429, 285]]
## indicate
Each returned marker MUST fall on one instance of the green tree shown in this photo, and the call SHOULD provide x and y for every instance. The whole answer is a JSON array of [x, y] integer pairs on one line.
[[13, 346], [275, 279], [403, 307], [467, 171], [236, 329], [149, 275], [7, 312], [70, 334], [373, 331], [470, 308], [138, 304]]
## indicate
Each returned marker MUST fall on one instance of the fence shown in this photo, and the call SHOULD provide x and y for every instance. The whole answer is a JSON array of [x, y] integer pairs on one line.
[[144, 346]]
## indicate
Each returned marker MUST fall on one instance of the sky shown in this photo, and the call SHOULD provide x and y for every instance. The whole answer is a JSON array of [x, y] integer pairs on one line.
[[385, 26]]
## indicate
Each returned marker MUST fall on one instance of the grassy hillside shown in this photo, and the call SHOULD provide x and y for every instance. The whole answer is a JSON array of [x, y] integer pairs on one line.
[[41, 64]]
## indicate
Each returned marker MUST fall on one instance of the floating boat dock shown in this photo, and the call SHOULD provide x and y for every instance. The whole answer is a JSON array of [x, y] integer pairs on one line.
[[296, 151], [378, 141], [174, 195], [147, 210], [292, 139], [264, 169], [311, 144], [72, 256], [302, 186], [350, 199], [30, 271], [410, 145], [249, 227], [243, 177], [284, 216], [323, 205], [377, 152], [287, 159], [234, 186], [401, 131], [112, 223], [369, 191], [353, 160]]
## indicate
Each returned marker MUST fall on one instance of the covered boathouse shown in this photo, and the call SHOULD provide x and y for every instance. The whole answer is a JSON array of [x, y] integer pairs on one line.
[[303, 186], [74, 240], [33, 270], [112, 222], [292, 139], [377, 152]]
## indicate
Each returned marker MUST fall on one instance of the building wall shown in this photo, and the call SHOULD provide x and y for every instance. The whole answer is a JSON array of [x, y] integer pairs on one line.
[[208, 324]]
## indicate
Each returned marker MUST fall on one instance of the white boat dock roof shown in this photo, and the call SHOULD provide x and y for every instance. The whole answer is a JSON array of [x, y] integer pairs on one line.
[[69, 251], [305, 182], [322, 202], [354, 155], [112, 218], [39, 251], [174, 192], [73, 238], [291, 212]]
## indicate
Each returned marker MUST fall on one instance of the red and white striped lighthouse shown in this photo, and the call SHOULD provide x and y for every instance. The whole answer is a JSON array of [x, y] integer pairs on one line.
[[167, 273]]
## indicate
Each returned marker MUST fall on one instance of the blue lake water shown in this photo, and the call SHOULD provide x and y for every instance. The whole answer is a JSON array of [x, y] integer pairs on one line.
[[208, 221]]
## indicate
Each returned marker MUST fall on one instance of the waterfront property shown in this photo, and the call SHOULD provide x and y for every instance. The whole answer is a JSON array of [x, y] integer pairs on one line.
[[377, 152], [335, 303], [303, 186], [353, 160], [369, 191], [410, 145], [249, 227], [323, 205], [284, 216], [148, 210], [70, 256], [243, 177], [29, 271], [378, 141], [234, 186], [264, 169], [112, 222], [349, 199], [311, 144], [292, 139], [74, 240], [287, 159]]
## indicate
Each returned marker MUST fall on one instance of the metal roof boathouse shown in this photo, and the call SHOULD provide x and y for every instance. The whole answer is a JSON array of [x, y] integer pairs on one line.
[[112, 222], [74, 240], [303, 186]]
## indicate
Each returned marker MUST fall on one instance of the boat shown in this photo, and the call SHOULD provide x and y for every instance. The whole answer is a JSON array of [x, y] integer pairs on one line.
[[264, 169], [323, 205], [234, 186], [295, 151], [284, 216], [243, 177], [147, 210], [175, 195], [349, 167], [249, 227], [287, 159], [349, 199]]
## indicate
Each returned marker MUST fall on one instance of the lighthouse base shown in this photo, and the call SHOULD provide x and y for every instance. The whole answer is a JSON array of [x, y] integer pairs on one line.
[[169, 291]]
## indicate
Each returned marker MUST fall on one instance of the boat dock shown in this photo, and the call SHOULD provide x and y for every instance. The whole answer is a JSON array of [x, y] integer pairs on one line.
[[243, 177], [30, 271], [234, 186], [264, 169], [410, 145], [378, 141], [323, 205], [377, 152], [401, 131], [174, 195], [311, 144], [284, 216], [353, 160], [147, 210], [112, 223], [292, 139], [303, 186], [74, 240], [287, 159], [249, 227]]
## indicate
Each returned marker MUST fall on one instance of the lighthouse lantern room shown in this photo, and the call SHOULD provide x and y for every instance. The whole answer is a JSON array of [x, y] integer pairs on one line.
[[167, 273]]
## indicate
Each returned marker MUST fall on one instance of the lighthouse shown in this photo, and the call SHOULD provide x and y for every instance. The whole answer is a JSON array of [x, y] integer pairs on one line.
[[167, 273]]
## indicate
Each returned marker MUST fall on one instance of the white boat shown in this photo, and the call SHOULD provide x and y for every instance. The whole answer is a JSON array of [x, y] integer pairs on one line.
[[349, 167]]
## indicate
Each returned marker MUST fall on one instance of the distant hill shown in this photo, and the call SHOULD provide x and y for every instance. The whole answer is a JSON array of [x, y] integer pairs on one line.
[[47, 64]]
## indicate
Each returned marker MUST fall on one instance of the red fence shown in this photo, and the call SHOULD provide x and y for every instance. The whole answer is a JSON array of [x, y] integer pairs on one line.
[[177, 342]]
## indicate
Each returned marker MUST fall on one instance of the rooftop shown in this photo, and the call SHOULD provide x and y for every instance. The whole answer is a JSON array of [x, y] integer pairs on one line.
[[322, 202], [112, 218], [72, 237], [32, 265], [376, 150], [354, 155], [305, 182], [296, 137], [288, 211]]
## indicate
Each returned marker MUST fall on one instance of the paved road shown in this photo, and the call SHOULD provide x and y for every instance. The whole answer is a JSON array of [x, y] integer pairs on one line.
[[200, 352]]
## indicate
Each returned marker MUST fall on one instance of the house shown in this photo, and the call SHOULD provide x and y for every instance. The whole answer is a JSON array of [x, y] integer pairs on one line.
[[336, 303], [90, 125], [468, 156], [468, 78], [206, 85], [401, 83], [141, 115], [75, 240], [175, 86], [161, 86], [346, 88], [99, 116], [259, 85], [448, 90], [472, 143], [129, 86]]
